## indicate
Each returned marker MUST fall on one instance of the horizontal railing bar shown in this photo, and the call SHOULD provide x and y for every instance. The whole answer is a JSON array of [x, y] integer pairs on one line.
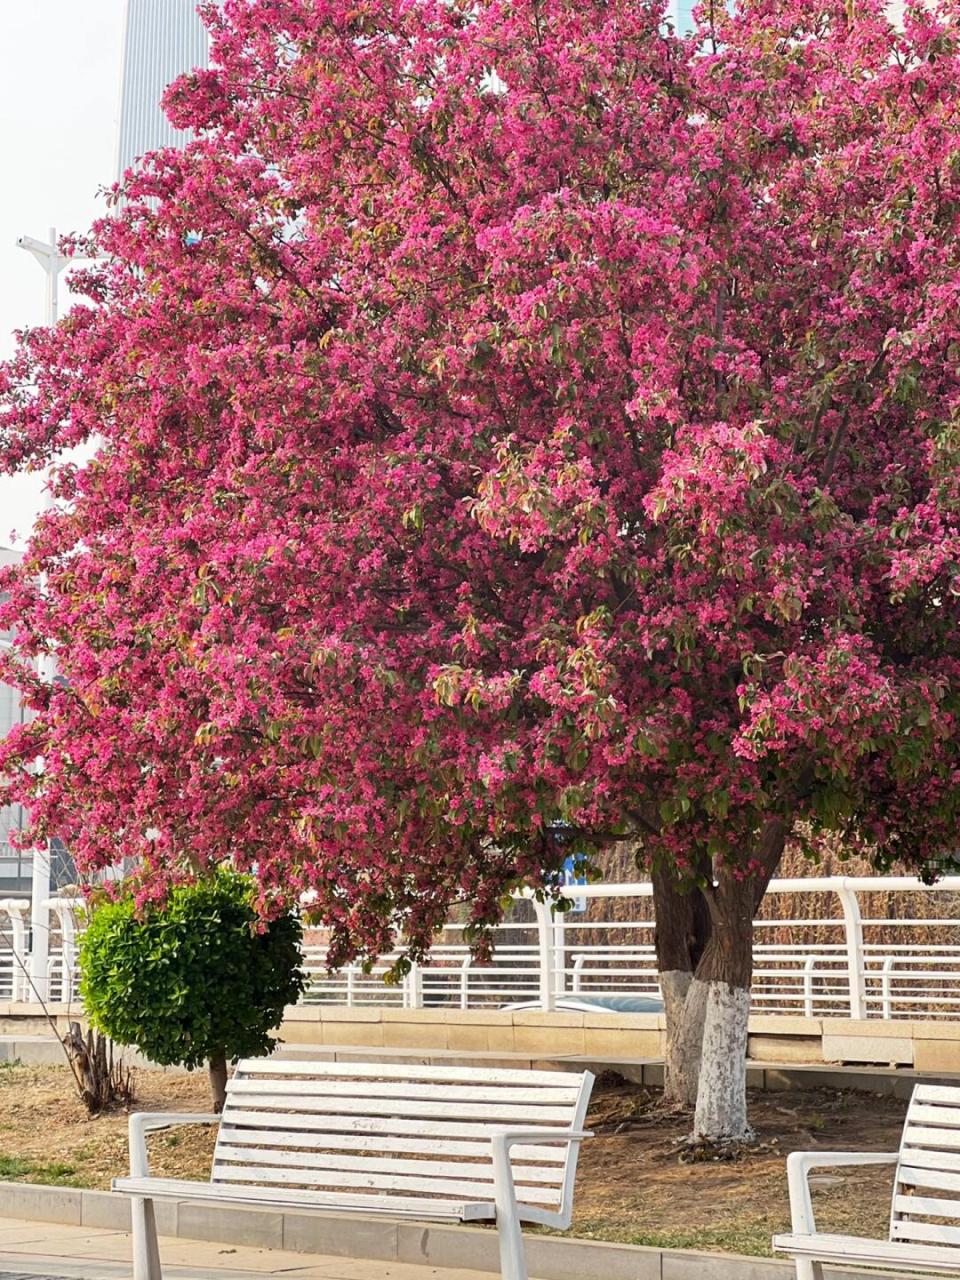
[[813, 884], [903, 922]]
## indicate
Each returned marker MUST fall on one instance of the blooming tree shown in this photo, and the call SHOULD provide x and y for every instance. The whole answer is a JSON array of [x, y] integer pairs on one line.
[[512, 419]]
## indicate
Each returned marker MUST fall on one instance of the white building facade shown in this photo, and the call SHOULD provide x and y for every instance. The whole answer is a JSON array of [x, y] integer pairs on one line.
[[162, 39], [14, 865]]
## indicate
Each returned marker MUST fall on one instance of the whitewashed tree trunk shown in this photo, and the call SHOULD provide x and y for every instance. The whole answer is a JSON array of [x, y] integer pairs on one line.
[[682, 929], [726, 971], [721, 1113], [674, 985], [685, 1006]]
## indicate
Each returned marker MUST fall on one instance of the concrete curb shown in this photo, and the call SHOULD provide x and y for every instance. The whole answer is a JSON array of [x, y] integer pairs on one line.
[[388, 1239]]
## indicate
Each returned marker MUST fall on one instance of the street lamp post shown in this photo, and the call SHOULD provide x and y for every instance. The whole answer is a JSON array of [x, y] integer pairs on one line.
[[53, 262]]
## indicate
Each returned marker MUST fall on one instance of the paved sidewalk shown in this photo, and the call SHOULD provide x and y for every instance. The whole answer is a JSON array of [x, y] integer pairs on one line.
[[44, 1250]]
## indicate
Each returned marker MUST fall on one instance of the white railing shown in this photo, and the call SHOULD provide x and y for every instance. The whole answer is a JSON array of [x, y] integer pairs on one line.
[[61, 967], [847, 963]]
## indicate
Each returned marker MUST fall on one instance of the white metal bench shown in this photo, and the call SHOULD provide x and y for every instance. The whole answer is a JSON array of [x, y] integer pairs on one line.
[[925, 1215], [432, 1143]]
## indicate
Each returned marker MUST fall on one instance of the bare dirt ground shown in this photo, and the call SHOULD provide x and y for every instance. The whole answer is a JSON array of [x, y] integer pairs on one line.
[[635, 1183]]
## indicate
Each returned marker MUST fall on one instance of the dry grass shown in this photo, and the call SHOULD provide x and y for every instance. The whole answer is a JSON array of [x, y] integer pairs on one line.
[[46, 1135], [632, 1186]]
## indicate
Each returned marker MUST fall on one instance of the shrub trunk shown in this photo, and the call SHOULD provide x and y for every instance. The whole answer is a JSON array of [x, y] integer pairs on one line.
[[217, 1069]]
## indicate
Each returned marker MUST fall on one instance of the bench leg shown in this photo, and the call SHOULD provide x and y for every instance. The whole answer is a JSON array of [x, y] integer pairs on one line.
[[807, 1269], [513, 1262], [146, 1253]]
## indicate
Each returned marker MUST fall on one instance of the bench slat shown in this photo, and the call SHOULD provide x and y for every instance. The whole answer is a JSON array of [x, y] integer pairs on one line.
[[936, 1178], [479, 1148], [477, 1092], [918, 1136], [937, 1093], [406, 1071], [374, 1164], [918, 1158], [379, 1182], [492, 1113], [929, 1206], [856, 1249], [926, 1231], [948, 1117], [417, 1206], [386, 1124]]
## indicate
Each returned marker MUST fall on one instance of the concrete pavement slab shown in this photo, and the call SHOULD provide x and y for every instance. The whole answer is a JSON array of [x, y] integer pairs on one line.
[[51, 1251]]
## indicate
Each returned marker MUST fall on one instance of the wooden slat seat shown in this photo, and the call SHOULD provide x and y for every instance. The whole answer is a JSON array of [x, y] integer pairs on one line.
[[434, 1143], [870, 1253], [294, 1198], [925, 1212]]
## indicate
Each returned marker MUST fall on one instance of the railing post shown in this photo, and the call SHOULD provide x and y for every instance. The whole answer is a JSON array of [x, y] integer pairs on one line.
[[40, 925], [64, 911], [15, 911], [414, 987], [576, 981], [886, 986], [545, 946], [559, 954], [20, 984], [808, 966], [853, 930], [465, 982], [68, 950]]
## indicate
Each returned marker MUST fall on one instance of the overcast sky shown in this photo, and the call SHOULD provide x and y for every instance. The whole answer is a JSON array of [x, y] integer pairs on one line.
[[59, 101]]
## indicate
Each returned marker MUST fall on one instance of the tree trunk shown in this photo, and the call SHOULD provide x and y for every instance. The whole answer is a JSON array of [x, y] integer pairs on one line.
[[217, 1069], [684, 1042], [101, 1082], [726, 973], [681, 933]]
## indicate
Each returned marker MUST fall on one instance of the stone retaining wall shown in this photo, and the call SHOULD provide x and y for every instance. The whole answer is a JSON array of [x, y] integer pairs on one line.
[[931, 1045]]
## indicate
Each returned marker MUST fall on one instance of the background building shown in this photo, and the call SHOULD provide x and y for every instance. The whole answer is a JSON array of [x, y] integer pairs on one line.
[[14, 865], [162, 39]]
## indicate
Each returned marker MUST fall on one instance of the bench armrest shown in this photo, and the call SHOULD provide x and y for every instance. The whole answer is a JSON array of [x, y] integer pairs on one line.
[[799, 1165], [511, 1137], [144, 1122], [505, 1191]]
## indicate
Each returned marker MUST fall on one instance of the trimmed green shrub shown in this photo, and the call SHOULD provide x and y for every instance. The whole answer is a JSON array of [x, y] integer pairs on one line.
[[191, 980]]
